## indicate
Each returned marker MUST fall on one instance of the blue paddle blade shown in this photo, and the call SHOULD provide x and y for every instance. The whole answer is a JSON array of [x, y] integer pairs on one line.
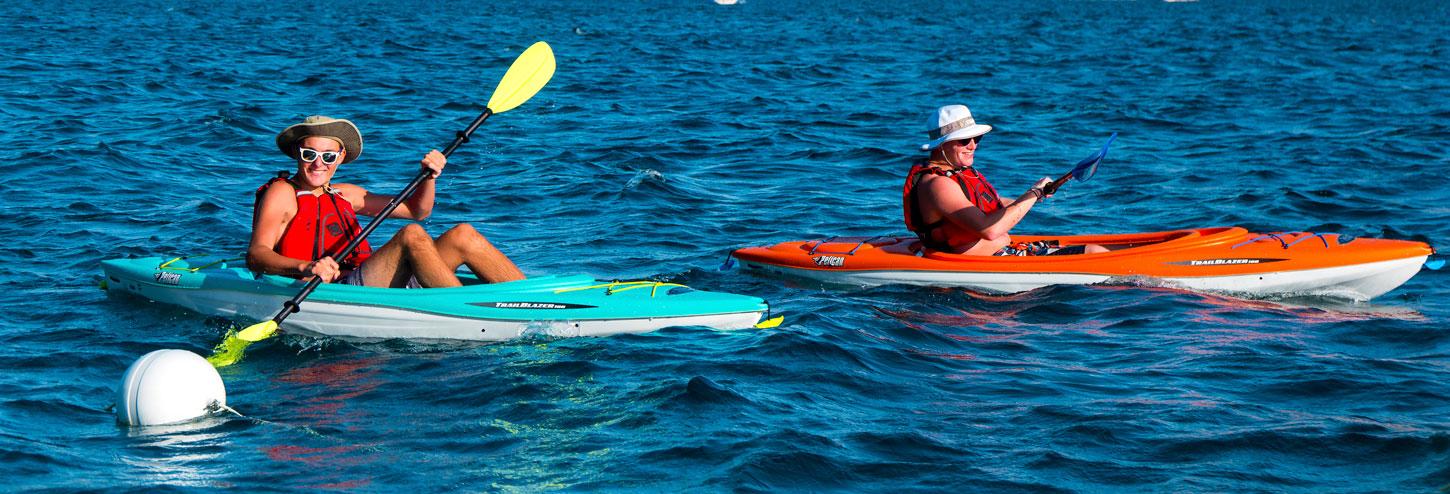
[[1084, 169], [1088, 167], [1435, 264], [729, 262]]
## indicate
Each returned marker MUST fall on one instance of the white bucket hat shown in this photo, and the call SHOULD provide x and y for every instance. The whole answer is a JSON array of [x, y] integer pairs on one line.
[[953, 123]]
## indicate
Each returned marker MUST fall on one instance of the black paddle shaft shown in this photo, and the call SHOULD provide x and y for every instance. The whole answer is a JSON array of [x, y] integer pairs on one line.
[[1051, 188], [290, 306]]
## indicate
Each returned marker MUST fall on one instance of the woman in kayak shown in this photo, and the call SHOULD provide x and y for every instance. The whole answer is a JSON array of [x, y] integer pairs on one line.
[[952, 207], [300, 218]]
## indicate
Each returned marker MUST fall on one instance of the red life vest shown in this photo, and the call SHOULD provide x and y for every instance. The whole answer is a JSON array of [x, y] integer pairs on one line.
[[974, 186], [322, 227]]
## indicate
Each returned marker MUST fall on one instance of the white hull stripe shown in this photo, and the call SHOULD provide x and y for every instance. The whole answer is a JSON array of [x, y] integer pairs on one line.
[[1360, 281]]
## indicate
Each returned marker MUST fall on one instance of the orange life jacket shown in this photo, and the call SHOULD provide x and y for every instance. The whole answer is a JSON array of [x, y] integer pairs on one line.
[[974, 186]]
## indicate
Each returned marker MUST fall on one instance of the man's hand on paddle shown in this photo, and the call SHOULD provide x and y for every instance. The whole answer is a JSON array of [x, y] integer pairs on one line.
[[326, 268], [434, 161]]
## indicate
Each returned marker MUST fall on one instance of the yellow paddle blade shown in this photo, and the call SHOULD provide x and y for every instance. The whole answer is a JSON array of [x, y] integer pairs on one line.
[[259, 331], [524, 78], [770, 323], [229, 351]]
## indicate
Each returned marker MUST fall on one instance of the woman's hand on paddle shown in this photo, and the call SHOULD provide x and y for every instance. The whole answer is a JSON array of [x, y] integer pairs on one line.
[[324, 268], [434, 162], [1042, 186]]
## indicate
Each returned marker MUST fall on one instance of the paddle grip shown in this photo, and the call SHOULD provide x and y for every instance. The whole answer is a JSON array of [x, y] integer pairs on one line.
[[465, 133], [1051, 188], [292, 305]]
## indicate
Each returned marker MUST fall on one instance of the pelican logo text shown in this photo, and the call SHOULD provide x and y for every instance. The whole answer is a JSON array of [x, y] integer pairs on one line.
[[833, 261], [168, 278]]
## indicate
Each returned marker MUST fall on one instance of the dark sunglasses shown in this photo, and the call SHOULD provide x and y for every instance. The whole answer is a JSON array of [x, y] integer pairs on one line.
[[328, 157]]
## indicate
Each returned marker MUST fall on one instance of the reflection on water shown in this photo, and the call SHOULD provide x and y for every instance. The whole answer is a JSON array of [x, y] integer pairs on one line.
[[319, 394], [1313, 310], [1106, 316], [328, 462], [957, 318], [187, 454], [325, 387]]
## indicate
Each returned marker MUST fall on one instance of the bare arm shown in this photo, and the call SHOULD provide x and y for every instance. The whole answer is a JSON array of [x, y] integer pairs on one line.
[[418, 206], [948, 198]]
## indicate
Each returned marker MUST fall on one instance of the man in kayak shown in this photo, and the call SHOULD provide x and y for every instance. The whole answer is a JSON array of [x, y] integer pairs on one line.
[[300, 218], [951, 206]]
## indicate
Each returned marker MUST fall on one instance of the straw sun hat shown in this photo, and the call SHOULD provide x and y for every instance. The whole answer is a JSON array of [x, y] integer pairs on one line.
[[342, 131]]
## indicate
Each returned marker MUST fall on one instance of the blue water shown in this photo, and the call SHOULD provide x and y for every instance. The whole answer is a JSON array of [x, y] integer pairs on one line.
[[676, 131]]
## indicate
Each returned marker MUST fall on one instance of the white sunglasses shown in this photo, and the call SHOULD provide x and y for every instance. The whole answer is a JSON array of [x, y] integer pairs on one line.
[[328, 157]]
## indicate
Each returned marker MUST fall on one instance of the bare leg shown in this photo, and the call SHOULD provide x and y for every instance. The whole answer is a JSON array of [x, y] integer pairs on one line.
[[464, 245], [409, 253], [986, 247]]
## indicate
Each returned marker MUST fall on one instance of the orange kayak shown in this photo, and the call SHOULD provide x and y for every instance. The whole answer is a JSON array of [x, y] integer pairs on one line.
[[1226, 260]]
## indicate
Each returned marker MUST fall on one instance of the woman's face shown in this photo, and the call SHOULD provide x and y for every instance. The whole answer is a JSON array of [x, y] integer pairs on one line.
[[960, 152]]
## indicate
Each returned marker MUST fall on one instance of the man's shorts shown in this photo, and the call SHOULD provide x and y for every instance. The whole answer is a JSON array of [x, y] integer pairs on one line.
[[355, 278]]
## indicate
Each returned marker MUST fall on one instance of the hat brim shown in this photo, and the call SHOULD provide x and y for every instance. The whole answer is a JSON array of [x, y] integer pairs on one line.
[[969, 132], [340, 129]]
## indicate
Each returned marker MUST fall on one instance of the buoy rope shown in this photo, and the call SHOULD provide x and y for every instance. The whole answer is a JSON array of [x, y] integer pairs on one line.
[[217, 407]]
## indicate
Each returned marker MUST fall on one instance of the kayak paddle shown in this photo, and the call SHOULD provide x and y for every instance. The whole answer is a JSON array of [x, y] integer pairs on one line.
[[524, 78], [1084, 170]]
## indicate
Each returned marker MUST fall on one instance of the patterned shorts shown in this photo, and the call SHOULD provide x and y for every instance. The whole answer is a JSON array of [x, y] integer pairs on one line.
[[1040, 248]]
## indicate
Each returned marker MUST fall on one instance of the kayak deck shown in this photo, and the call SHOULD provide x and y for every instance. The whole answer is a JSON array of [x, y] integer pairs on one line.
[[562, 306], [1225, 259]]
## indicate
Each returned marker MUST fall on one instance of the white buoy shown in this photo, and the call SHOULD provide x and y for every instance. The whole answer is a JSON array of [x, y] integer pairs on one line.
[[168, 387]]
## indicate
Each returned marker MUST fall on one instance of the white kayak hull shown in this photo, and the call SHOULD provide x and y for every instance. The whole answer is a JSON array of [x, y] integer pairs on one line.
[[1357, 282]]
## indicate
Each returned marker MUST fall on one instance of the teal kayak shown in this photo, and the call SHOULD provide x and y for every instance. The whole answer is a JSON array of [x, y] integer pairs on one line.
[[557, 306]]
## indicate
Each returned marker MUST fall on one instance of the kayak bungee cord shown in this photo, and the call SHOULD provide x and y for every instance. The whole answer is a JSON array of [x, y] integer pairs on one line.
[[1285, 243], [223, 261], [610, 288]]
